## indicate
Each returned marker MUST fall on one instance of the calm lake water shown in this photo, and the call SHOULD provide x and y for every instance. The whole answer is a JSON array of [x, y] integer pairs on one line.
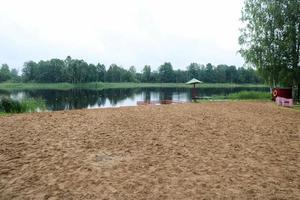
[[82, 98]]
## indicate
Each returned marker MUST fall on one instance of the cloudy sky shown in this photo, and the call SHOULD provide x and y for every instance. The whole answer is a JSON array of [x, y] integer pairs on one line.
[[125, 32]]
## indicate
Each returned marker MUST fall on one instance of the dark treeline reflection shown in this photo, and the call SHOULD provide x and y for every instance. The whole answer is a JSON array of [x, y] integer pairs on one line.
[[79, 98], [82, 98]]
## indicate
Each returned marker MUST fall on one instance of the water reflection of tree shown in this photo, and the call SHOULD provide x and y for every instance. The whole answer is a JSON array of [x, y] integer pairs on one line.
[[165, 94], [147, 95], [82, 98], [78, 98], [62, 100], [4, 94], [117, 95]]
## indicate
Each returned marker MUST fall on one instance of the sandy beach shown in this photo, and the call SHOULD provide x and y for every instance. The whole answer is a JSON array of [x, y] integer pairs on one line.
[[221, 150]]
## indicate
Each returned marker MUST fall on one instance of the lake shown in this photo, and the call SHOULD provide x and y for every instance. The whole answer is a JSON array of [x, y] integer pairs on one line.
[[84, 98]]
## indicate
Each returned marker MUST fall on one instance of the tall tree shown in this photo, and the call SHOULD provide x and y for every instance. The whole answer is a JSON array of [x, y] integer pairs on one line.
[[220, 73], [4, 73], [14, 75], [193, 71], [231, 74], [210, 74], [30, 71], [101, 71], [132, 71], [113, 73], [166, 73], [181, 76], [146, 76], [270, 39]]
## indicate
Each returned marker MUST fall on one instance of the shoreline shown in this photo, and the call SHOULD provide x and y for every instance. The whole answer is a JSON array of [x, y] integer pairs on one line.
[[102, 86]]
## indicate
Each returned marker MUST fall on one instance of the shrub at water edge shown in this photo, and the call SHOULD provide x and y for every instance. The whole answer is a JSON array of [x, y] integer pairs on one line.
[[244, 95], [9, 105]]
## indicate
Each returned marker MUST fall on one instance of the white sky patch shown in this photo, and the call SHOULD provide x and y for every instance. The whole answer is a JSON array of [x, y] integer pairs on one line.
[[131, 32]]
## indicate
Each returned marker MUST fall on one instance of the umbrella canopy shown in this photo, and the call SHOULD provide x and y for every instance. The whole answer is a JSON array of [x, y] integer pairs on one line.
[[194, 81]]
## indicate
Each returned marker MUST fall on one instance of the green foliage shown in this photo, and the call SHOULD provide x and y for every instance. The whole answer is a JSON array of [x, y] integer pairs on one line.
[[297, 107], [246, 95], [4, 73], [180, 76], [222, 74], [8, 105], [36, 86], [31, 105], [118, 74], [194, 70], [57, 71], [101, 72], [166, 73], [30, 71], [101, 85], [14, 77], [8, 75], [270, 39], [146, 76], [1, 108], [78, 71], [3, 113]]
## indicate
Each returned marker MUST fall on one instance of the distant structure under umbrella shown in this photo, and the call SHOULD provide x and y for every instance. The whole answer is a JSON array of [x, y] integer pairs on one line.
[[194, 82]]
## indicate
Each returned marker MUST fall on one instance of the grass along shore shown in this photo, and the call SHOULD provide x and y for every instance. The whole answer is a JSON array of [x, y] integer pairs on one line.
[[8, 105], [245, 95], [101, 85]]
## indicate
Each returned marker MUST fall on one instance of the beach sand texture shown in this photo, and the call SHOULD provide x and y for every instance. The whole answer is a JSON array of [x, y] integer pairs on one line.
[[240, 150]]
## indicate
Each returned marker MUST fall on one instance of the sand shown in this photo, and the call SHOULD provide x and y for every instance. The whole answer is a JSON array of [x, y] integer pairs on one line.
[[224, 150]]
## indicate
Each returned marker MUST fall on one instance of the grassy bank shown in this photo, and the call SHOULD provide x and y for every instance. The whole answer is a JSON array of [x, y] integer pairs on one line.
[[100, 85], [33, 86], [297, 107], [245, 95], [3, 113]]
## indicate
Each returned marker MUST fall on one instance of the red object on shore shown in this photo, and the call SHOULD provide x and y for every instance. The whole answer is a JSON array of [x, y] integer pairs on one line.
[[282, 92]]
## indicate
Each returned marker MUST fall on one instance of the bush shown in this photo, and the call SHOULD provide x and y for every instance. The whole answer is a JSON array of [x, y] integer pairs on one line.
[[10, 106], [31, 105], [28, 105], [1, 108]]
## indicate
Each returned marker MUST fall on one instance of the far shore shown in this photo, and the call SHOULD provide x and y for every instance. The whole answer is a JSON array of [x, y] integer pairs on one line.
[[101, 85]]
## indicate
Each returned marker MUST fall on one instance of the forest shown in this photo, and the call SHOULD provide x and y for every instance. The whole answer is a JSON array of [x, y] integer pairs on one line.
[[78, 71]]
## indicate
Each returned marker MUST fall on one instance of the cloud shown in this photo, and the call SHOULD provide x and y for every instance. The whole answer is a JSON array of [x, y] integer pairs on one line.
[[132, 32]]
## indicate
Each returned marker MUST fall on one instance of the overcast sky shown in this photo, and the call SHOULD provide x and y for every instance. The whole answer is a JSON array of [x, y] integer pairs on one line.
[[124, 32]]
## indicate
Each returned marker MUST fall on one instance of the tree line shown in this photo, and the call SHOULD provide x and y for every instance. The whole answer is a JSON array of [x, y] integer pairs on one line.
[[78, 71]]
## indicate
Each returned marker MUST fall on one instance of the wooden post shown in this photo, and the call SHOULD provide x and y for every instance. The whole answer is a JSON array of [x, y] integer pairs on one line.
[[194, 92]]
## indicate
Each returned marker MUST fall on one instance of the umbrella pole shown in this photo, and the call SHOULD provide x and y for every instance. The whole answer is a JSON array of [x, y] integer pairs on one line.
[[194, 91]]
